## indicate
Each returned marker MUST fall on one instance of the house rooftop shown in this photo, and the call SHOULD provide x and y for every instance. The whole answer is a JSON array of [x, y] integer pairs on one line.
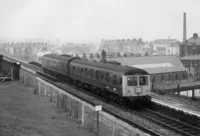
[[166, 41]]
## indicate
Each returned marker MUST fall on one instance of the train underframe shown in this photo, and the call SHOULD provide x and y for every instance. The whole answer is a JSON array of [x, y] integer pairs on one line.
[[131, 102]]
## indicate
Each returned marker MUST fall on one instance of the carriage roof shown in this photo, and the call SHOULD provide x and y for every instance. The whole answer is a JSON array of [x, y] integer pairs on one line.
[[125, 70]]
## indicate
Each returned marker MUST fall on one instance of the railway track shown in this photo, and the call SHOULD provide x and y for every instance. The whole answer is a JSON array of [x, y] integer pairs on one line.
[[170, 123], [45, 76]]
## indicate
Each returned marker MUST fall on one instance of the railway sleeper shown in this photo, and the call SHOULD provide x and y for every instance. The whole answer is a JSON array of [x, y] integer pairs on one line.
[[197, 133], [173, 125], [168, 122], [162, 120], [186, 130], [180, 127], [150, 115]]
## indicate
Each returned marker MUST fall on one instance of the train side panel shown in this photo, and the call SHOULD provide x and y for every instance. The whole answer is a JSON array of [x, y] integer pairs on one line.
[[96, 77], [55, 65]]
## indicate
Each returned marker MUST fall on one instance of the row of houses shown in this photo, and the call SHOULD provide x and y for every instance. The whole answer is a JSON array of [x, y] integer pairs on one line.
[[24, 50], [137, 46]]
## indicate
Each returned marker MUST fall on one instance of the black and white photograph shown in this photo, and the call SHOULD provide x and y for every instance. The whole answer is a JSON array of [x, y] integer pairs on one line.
[[99, 68]]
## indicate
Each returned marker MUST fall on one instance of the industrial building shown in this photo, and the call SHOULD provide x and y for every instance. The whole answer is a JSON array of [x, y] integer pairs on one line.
[[162, 69], [190, 52]]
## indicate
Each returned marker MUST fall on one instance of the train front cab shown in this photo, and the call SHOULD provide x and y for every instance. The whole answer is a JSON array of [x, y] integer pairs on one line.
[[136, 87]]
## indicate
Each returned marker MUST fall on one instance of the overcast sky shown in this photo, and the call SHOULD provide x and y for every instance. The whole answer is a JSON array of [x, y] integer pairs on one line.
[[91, 20]]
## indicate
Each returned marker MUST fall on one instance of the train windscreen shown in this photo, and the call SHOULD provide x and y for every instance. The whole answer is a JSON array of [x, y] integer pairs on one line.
[[137, 80], [143, 80], [132, 81]]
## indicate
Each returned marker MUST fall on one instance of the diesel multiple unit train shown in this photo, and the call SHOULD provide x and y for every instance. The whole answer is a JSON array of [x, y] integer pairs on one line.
[[120, 83]]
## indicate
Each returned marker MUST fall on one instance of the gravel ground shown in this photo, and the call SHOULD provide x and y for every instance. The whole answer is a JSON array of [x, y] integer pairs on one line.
[[24, 114]]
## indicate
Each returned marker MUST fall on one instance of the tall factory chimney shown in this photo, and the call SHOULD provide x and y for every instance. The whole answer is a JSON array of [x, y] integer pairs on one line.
[[184, 27]]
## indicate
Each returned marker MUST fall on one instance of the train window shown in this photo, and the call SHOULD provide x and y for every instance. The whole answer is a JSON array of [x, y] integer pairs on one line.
[[91, 73], [132, 81], [120, 81], [114, 80], [73, 68], [86, 71], [143, 80], [107, 78], [97, 75], [77, 69], [81, 70], [102, 76]]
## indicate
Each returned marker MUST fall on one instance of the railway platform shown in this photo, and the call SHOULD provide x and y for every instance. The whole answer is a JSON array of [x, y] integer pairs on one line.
[[23, 113], [176, 103]]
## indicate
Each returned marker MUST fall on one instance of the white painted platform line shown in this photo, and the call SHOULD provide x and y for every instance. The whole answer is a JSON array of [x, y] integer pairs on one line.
[[96, 107], [29, 70], [177, 108]]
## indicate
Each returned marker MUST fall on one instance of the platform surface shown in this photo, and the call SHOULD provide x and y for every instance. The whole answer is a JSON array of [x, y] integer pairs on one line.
[[188, 106], [23, 113]]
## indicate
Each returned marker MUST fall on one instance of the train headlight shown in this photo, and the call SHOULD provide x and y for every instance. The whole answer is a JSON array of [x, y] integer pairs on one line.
[[147, 90], [18, 63]]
